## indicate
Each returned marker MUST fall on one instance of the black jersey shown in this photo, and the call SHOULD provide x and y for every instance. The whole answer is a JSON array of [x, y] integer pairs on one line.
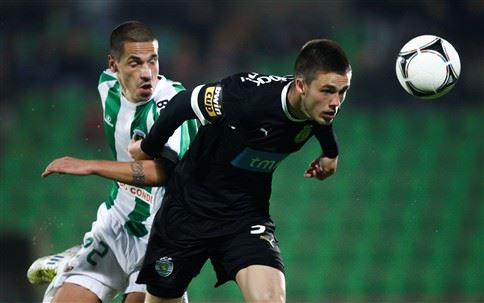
[[247, 131]]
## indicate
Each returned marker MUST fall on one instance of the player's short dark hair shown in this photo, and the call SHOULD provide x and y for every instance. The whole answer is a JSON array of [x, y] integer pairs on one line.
[[321, 55], [129, 31]]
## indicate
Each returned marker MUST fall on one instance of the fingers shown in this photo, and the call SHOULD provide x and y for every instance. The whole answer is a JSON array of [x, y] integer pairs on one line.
[[313, 171], [134, 147], [56, 166], [50, 169], [46, 173], [316, 171]]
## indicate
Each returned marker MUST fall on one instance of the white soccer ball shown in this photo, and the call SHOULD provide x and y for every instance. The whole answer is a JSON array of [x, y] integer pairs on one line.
[[428, 67]]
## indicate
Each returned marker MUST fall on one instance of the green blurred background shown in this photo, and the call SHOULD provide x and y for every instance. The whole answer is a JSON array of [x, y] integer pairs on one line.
[[401, 221]]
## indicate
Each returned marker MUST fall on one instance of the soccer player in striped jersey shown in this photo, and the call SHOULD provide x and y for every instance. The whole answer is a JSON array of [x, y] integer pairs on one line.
[[132, 96]]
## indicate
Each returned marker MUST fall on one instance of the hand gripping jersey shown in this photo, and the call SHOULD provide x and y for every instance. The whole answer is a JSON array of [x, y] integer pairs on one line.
[[132, 205], [247, 131]]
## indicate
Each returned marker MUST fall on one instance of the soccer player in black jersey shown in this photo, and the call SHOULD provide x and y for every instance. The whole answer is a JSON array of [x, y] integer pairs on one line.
[[217, 201]]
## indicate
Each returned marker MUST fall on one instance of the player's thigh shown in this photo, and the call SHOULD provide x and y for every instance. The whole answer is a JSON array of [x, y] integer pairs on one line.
[[134, 297], [254, 244], [261, 283], [70, 292], [154, 299]]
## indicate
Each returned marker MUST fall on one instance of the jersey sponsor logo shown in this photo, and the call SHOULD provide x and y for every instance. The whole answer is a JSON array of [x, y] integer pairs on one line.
[[303, 134], [260, 80], [258, 161], [164, 266], [137, 192], [211, 101]]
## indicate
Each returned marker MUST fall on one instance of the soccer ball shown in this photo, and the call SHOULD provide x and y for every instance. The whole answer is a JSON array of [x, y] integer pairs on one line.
[[428, 67]]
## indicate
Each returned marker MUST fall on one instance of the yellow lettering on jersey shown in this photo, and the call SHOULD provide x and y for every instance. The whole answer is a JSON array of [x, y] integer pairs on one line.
[[208, 101]]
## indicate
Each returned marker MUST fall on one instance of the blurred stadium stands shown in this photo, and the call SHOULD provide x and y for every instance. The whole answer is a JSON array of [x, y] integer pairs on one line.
[[401, 221]]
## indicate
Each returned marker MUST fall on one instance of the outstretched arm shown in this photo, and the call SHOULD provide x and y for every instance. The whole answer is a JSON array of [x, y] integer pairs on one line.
[[148, 172]]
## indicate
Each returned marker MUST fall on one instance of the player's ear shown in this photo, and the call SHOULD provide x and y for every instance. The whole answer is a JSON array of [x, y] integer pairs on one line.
[[112, 63], [299, 84]]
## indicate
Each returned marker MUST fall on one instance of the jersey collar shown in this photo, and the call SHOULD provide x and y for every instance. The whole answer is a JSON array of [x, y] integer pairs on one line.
[[284, 104]]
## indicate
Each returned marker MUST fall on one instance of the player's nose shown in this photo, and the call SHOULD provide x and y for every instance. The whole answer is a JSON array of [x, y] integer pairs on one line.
[[145, 72], [336, 100]]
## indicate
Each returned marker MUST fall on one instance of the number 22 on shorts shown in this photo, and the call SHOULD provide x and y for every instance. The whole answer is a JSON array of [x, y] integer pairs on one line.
[[95, 252]]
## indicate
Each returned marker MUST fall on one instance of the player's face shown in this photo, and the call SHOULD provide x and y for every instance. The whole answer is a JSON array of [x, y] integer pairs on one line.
[[137, 70], [322, 98]]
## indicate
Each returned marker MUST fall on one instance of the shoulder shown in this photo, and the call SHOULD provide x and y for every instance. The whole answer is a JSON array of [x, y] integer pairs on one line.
[[255, 81], [173, 84], [166, 89], [107, 77], [108, 86], [253, 87], [238, 96]]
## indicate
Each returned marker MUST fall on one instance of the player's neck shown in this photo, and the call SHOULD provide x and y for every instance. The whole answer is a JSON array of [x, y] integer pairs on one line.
[[131, 99], [294, 103]]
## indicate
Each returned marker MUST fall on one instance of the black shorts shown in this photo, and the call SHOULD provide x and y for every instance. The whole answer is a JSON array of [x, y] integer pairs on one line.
[[177, 250]]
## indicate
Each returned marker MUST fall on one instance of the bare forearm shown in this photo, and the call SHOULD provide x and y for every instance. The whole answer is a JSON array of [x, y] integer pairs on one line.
[[146, 172]]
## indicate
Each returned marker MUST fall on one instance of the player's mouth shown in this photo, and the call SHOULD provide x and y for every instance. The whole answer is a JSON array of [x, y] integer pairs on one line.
[[146, 89], [328, 115]]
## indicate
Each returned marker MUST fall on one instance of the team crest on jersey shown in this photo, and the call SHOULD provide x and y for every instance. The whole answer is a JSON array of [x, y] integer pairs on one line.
[[138, 134], [303, 134], [164, 266], [212, 100]]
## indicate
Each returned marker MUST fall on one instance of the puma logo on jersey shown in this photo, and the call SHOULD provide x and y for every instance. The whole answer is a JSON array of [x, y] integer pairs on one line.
[[264, 131], [107, 120]]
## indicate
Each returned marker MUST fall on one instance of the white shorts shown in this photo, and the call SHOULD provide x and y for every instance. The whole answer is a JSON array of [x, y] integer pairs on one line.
[[108, 262]]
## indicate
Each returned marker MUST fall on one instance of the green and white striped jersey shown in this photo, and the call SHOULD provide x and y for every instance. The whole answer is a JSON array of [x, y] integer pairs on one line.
[[135, 206]]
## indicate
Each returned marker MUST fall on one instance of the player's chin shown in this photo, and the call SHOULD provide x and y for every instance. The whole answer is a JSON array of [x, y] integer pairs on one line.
[[324, 120], [144, 97]]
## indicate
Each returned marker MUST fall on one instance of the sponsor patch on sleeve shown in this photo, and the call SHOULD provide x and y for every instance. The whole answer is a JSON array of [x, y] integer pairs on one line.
[[212, 101]]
